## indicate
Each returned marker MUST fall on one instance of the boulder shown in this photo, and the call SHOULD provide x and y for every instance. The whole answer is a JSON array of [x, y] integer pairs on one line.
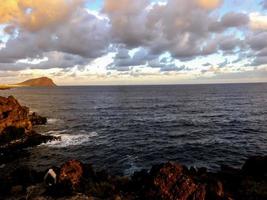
[[171, 181], [37, 119], [71, 174], [13, 114]]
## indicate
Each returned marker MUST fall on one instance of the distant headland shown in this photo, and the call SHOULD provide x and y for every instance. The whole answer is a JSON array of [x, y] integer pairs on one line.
[[37, 82]]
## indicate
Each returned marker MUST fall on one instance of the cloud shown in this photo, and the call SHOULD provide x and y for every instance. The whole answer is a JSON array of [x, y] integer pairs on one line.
[[233, 19], [127, 7], [206, 64], [141, 37], [173, 68], [209, 4], [123, 60], [34, 15], [83, 35], [264, 4], [258, 21], [262, 60], [229, 20], [223, 64], [182, 28], [257, 41], [229, 43]]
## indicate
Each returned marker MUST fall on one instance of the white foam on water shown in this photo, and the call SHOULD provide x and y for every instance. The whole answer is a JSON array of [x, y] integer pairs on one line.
[[66, 140], [54, 133], [53, 120]]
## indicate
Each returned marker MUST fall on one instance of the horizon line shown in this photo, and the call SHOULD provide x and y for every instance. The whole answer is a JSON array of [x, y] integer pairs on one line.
[[165, 84]]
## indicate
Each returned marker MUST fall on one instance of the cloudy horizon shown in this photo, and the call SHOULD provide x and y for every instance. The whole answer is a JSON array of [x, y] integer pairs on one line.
[[113, 42]]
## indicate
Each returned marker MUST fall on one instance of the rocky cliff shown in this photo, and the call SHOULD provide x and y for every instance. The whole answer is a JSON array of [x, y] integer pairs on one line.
[[16, 127], [12, 114]]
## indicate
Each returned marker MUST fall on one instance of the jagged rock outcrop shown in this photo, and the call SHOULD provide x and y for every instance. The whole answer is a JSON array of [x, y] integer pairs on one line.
[[12, 114], [71, 174], [16, 128]]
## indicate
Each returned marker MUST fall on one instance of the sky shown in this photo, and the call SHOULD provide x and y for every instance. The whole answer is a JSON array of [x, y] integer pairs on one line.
[[114, 42]]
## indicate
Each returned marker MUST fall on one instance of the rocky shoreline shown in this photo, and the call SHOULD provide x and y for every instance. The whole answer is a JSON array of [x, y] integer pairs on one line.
[[16, 128], [169, 181], [77, 180]]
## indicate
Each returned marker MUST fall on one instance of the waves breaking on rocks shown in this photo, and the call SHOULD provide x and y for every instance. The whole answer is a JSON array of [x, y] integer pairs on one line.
[[68, 139]]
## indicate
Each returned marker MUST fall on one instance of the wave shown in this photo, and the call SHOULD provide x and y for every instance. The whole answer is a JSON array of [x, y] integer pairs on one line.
[[53, 120], [70, 139], [132, 165]]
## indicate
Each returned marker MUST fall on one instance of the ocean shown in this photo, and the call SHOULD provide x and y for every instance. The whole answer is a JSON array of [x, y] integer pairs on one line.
[[123, 129]]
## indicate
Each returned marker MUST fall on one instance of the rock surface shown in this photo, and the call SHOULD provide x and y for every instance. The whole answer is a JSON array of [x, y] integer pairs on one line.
[[37, 119], [71, 174], [12, 114], [16, 128], [169, 181]]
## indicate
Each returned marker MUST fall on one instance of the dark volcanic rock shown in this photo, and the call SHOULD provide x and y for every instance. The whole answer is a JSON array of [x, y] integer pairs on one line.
[[37, 119], [256, 166], [170, 181]]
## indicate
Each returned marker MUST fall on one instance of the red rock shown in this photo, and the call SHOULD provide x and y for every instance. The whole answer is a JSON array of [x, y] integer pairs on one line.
[[71, 173], [170, 182], [13, 114]]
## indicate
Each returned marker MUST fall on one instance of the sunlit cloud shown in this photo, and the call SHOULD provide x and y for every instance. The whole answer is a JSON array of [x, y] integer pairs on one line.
[[36, 14]]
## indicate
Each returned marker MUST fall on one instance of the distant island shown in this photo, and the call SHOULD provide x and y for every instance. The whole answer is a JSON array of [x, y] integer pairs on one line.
[[37, 82]]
